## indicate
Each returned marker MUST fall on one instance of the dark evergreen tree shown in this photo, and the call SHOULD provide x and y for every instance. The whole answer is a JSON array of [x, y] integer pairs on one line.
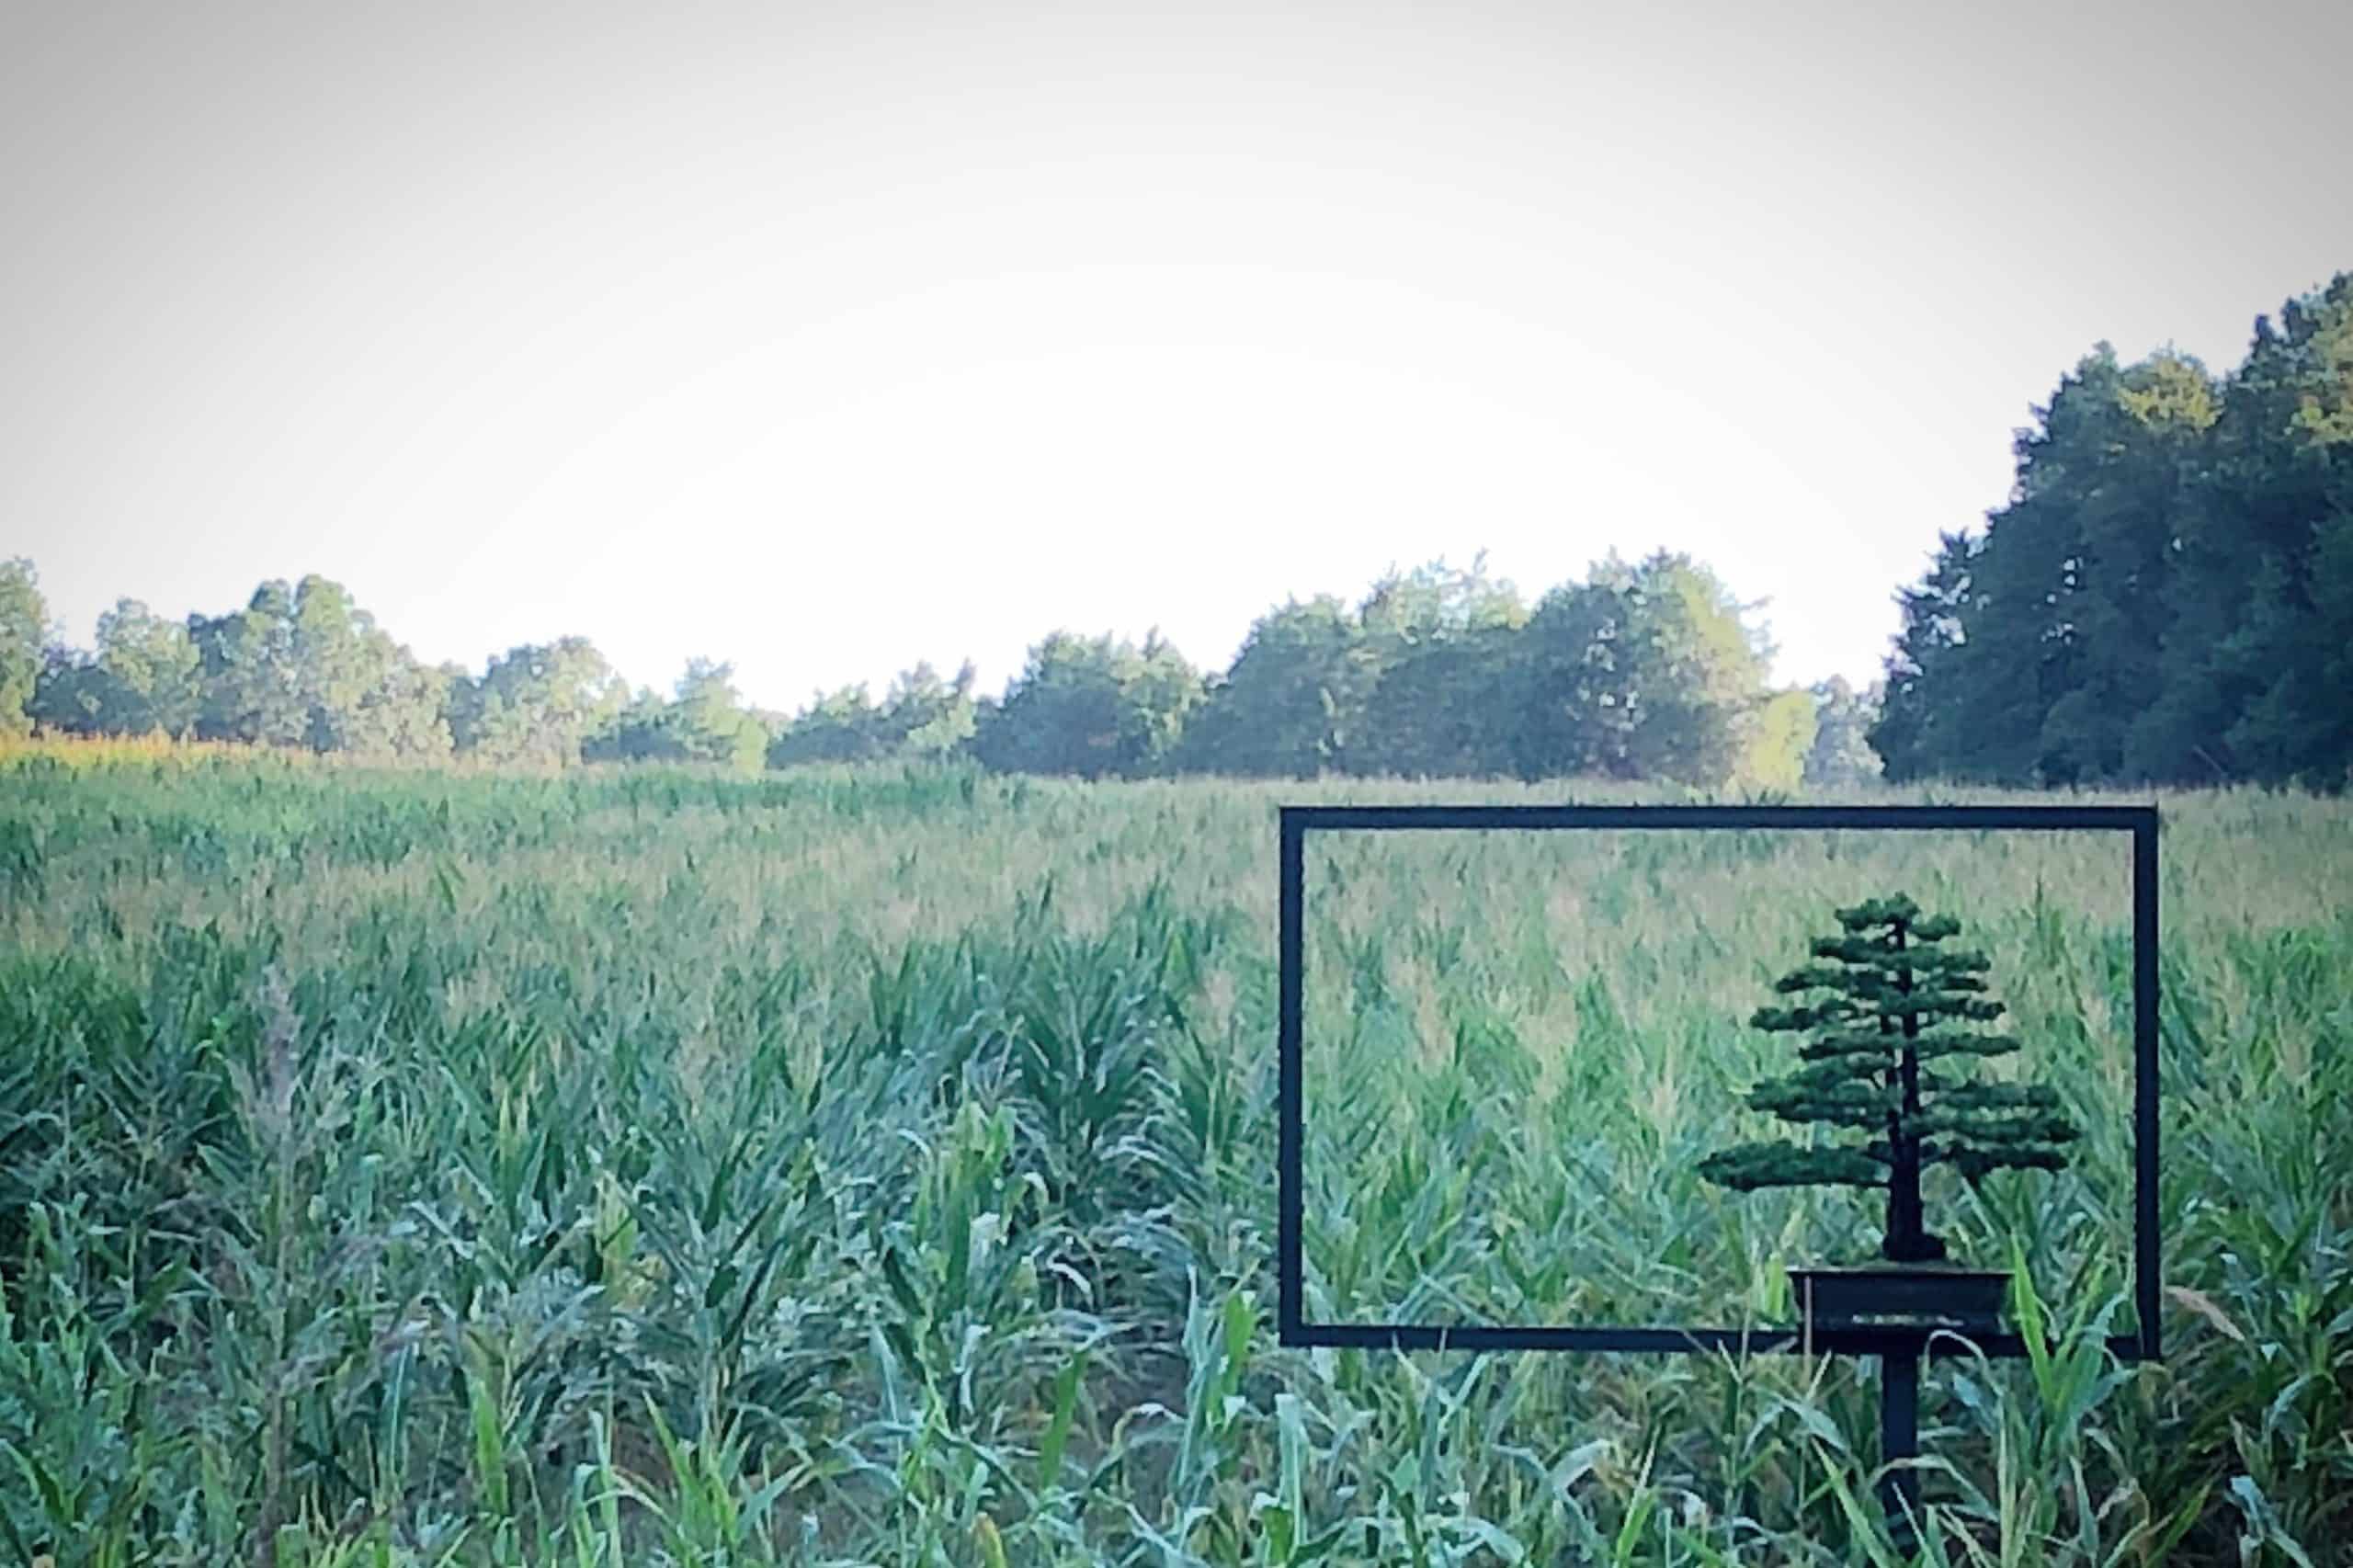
[[1888, 1008], [1913, 733], [2029, 650], [2280, 535], [2163, 598]]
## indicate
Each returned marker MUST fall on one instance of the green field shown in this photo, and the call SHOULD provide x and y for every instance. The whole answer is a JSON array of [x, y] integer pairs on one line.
[[655, 1167]]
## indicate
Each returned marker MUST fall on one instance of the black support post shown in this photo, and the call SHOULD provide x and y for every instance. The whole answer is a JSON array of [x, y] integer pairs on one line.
[[1899, 1442]]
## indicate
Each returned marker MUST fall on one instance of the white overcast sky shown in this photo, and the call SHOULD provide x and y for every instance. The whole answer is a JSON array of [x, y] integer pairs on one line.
[[825, 337]]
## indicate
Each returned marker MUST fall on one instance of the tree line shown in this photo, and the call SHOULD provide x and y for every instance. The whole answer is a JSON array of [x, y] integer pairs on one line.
[[2165, 598], [2168, 596], [1647, 670]]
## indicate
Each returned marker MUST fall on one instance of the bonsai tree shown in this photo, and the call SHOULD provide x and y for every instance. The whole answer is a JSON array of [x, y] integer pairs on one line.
[[1888, 1012]]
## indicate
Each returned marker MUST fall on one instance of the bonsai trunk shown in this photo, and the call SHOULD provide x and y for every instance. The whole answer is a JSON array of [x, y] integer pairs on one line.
[[1908, 1240]]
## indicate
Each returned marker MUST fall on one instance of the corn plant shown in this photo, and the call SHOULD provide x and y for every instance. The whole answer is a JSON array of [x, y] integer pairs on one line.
[[874, 1166]]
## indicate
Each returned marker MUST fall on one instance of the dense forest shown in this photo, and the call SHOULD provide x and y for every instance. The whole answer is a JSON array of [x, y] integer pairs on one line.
[[2165, 598]]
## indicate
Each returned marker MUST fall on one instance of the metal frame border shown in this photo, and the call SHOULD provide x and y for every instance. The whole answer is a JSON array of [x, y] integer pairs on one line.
[[1297, 822]]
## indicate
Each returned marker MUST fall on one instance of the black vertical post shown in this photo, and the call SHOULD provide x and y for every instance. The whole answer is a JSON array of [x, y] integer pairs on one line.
[[1290, 1301], [1899, 1442]]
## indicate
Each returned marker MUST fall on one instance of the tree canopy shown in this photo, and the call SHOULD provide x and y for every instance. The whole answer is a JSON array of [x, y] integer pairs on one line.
[[24, 627], [2168, 596], [1094, 708], [1889, 1010], [1645, 671]]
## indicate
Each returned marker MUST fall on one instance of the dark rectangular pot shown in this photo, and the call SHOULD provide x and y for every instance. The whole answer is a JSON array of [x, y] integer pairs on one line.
[[1898, 1295]]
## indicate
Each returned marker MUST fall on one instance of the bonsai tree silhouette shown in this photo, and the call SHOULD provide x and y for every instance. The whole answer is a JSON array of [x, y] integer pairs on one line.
[[1889, 1012]]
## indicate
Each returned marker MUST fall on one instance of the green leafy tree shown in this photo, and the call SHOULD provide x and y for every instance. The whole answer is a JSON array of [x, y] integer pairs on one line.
[[401, 712], [839, 726], [152, 671], [1291, 704], [1776, 741], [366, 694], [1161, 691], [1647, 671], [1573, 714], [925, 716], [1841, 754], [24, 639], [1094, 708], [74, 696], [538, 703], [253, 689], [1888, 1011], [1440, 642], [142, 680], [710, 720], [24, 633], [640, 730], [339, 655], [306, 666], [1699, 675], [1442, 710]]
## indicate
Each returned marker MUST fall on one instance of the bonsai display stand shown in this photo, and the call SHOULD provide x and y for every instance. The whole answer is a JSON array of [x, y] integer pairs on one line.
[[1902, 1296], [1897, 1323], [1909, 1302]]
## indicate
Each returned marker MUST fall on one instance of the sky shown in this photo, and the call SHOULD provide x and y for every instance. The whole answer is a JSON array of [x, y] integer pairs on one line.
[[822, 338]]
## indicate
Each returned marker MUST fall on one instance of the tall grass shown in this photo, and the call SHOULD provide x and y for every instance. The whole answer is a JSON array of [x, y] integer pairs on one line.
[[875, 1168]]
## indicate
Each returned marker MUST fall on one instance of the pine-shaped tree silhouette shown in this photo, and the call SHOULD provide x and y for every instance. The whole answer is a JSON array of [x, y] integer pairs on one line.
[[1888, 1013]]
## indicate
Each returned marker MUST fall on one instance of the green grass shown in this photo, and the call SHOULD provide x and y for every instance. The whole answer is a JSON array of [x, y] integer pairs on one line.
[[877, 1168]]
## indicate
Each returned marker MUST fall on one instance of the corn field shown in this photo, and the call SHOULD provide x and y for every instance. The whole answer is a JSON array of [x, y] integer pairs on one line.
[[657, 1168]]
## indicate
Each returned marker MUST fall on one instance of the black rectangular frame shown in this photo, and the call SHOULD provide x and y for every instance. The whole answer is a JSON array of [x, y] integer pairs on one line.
[[1297, 822]]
